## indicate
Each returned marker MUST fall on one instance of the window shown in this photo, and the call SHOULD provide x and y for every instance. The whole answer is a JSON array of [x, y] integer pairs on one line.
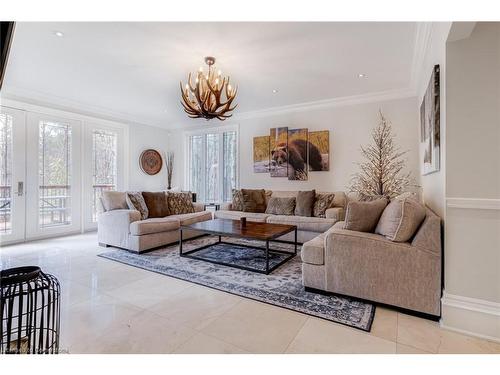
[[5, 173], [104, 165], [54, 174], [212, 165]]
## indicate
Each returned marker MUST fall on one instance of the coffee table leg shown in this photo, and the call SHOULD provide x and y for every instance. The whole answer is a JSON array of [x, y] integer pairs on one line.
[[220, 239], [295, 241], [180, 241], [267, 257]]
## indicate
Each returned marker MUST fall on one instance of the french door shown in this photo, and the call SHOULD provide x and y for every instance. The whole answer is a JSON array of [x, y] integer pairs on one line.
[[12, 174], [53, 184]]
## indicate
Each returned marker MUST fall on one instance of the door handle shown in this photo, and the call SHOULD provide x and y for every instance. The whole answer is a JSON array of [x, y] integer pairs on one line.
[[20, 189]]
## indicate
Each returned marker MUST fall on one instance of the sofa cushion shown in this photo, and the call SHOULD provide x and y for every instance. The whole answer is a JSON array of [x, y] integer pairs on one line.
[[364, 216], [254, 200], [157, 203], [236, 215], [313, 251], [321, 203], [191, 218], [114, 200], [281, 206], [154, 225], [310, 224], [180, 202], [401, 219], [237, 204], [304, 203], [135, 201]]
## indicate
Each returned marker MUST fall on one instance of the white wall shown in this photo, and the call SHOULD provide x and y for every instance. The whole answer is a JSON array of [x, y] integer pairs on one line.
[[472, 253], [433, 184], [140, 139], [349, 127]]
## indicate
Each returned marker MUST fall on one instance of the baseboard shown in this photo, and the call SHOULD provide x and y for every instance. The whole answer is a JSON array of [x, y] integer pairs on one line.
[[471, 316]]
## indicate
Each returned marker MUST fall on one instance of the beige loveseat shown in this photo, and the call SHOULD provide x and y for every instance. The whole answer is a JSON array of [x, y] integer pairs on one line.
[[124, 228], [371, 267], [307, 227]]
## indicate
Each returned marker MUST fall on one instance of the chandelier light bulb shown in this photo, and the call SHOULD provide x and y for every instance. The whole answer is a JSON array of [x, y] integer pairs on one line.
[[212, 95]]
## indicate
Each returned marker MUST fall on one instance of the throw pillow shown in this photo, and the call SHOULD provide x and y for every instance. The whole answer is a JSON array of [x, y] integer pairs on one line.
[[237, 204], [364, 216], [305, 202], [114, 200], [254, 200], [135, 201], [281, 206], [322, 203], [157, 203], [401, 219], [180, 203]]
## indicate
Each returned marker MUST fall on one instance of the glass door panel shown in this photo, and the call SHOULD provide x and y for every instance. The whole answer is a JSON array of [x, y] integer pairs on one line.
[[53, 175], [12, 175]]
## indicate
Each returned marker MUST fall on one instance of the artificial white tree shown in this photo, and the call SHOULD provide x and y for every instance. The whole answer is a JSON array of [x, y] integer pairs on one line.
[[383, 173]]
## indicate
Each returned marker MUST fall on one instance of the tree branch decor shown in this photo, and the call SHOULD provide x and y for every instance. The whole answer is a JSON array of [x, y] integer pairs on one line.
[[382, 174], [169, 161]]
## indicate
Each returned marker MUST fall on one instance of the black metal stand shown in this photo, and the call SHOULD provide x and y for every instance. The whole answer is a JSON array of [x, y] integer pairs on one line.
[[267, 249]]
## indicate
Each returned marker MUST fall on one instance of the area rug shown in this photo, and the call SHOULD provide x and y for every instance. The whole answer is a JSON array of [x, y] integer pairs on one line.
[[283, 287]]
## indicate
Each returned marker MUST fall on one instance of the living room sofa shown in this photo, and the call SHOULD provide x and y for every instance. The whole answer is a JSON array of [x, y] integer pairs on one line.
[[124, 228], [307, 227], [370, 267]]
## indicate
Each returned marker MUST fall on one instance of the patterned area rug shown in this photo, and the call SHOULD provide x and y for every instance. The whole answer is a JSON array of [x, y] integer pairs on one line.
[[283, 287]]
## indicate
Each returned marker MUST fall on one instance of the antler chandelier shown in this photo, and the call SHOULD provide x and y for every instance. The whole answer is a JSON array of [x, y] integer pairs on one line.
[[211, 96]]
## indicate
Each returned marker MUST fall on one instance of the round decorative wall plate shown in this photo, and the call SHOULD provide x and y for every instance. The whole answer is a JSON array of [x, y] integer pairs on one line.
[[150, 161]]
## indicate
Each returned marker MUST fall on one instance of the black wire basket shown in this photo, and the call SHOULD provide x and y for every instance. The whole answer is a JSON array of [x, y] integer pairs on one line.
[[30, 310]]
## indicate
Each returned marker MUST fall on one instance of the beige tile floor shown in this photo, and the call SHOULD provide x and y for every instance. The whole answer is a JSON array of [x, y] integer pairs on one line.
[[108, 307]]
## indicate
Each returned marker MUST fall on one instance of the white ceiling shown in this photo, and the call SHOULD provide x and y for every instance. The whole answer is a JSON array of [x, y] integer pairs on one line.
[[131, 71]]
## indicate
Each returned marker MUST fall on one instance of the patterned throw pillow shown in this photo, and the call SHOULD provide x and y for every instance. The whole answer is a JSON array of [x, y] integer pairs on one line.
[[135, 201], [254, 200], [237, 204], [180, 203], [281, 206], [322, 203]]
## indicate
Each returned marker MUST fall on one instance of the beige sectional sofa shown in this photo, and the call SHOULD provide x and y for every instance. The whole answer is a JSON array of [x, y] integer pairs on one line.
[[371, 267], [124, 228], [307, 227]]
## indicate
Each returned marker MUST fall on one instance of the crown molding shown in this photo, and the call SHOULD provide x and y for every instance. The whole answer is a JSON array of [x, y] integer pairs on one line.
[[380, 96], [56, 102], [423, 37]]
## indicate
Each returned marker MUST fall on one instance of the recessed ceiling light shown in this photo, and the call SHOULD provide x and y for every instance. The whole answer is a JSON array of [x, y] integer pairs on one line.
[[361, 75], [60, 34], [275, 91]]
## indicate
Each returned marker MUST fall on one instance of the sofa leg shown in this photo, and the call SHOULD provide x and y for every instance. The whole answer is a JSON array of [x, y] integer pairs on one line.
[[103, 244]]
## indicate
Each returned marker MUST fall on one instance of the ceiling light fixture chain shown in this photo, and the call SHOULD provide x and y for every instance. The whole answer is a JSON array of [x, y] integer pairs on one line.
[[205, 98]]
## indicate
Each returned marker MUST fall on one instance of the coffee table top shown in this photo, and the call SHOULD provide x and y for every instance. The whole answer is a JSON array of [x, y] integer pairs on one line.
[[233, 228]]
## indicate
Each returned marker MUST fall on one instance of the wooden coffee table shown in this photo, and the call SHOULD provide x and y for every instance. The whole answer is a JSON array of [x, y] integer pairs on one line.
[[233, 228]]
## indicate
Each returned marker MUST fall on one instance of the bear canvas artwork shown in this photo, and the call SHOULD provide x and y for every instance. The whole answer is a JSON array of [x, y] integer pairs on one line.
[[319, 151], [278, 140], [292, 153], [261, 156], [296, 154]]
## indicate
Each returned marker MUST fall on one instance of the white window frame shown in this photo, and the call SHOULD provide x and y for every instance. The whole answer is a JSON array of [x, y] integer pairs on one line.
[[219, 130], [87, 157]]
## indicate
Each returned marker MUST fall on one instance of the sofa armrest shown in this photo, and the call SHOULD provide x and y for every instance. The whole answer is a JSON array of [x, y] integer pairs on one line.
[[336, 213], [198, 207], [117, 220], [226, 206]]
